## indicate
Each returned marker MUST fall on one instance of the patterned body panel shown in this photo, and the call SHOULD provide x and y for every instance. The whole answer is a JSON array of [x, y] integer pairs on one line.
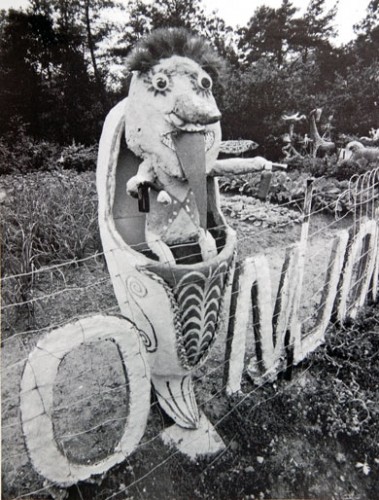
[[199, 298], [196, 297]]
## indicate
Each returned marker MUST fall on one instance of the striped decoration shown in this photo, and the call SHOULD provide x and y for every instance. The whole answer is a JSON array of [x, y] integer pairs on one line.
[[199, 296]]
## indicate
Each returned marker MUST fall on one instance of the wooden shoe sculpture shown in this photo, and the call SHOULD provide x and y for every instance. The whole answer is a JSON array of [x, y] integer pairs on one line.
[[170, 255]]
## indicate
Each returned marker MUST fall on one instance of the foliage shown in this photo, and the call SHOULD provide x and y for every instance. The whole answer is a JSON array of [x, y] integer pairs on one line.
[[330, 185], [19, 153], [258, 97], [45, 79], [79, 158], [347, 389], [57, 63], [51, 217], [145, 17], [368, 33], [278, 35]]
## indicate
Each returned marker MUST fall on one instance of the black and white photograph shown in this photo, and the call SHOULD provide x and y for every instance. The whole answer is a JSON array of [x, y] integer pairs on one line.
[[189, 199]]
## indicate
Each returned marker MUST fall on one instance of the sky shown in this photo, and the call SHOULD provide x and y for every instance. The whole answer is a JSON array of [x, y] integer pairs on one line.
[[238, 12]]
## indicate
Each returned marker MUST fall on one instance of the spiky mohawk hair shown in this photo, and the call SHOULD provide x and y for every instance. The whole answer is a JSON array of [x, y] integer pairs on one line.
[[166, 42]]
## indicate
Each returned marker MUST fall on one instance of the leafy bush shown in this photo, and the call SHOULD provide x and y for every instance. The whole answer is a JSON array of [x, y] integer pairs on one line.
[[78, 157], [27, 156], [329, 187], [20, 154], [348, 168]]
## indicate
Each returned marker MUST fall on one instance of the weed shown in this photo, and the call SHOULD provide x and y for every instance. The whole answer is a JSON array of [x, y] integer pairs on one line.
[[50, 218], [345, 402]]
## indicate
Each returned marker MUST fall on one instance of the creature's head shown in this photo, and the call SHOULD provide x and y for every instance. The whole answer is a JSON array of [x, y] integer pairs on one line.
[[350, 148], [170, 96], [354, 146]]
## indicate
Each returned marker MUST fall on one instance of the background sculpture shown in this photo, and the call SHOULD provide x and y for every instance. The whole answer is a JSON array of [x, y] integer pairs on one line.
[[319, 144], [355, 151], [291, 138]]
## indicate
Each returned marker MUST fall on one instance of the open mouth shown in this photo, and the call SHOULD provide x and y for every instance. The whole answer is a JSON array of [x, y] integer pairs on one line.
[[209, 139]]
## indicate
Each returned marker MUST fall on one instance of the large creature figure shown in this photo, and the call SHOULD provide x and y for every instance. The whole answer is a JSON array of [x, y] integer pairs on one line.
[[171, 255]]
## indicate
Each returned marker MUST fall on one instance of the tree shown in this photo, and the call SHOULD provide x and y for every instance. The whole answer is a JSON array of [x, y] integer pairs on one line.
[[189, 14], [81, 23], [314, 29], [268, 33], [367, 43], [26, 45], [355, 99], [44, 78]]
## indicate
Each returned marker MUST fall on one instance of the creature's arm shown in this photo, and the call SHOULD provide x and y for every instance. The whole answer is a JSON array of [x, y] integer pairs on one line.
[[145, 174], [238, 166]]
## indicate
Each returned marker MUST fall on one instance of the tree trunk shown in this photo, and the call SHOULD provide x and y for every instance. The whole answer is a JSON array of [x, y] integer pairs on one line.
[[91, 47]]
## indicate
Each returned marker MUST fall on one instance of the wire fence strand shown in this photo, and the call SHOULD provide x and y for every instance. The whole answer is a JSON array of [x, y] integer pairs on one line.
[[29, 337]]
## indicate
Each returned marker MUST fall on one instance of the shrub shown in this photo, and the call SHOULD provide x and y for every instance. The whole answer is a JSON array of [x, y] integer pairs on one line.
[[20, 154], [348, 168], [329, 189], [78, 157]]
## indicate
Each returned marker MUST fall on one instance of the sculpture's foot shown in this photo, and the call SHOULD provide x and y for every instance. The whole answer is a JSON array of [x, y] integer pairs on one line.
[[207, 245], [201, 441], [177, 398], [159, 248]]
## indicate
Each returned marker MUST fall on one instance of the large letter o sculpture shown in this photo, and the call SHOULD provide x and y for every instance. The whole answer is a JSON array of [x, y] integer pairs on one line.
[[37, 395]]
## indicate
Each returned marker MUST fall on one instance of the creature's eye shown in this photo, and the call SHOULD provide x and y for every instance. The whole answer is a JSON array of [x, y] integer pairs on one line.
[[160, 82], [204, 82]]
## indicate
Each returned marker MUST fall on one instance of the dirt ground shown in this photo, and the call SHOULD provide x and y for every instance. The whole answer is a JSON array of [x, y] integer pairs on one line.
[[276, 447]]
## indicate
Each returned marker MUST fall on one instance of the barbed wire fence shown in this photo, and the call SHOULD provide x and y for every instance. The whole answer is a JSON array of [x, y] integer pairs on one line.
[[89, 403]]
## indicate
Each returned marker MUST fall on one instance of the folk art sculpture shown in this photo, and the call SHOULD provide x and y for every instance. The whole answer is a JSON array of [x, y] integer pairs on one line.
[[171, 256], [171, 263], [355, 151], [169, 251], [319, 144], [289, 138], [314, 144]]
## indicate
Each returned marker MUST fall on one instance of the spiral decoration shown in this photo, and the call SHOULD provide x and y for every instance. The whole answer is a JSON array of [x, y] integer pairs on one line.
[[144, 326], [136, 287]]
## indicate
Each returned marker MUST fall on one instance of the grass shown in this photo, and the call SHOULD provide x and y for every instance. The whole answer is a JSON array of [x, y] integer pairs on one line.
[[49, 218]]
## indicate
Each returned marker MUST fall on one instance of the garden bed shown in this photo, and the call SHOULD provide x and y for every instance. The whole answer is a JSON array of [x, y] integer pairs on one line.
[[315, 436]]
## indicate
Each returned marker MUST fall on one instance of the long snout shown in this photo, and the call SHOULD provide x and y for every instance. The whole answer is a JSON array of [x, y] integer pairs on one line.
[[194, 109]]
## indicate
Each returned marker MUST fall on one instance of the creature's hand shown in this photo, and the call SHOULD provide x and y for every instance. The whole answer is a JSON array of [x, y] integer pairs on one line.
[[133, 184], [164, 198]]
